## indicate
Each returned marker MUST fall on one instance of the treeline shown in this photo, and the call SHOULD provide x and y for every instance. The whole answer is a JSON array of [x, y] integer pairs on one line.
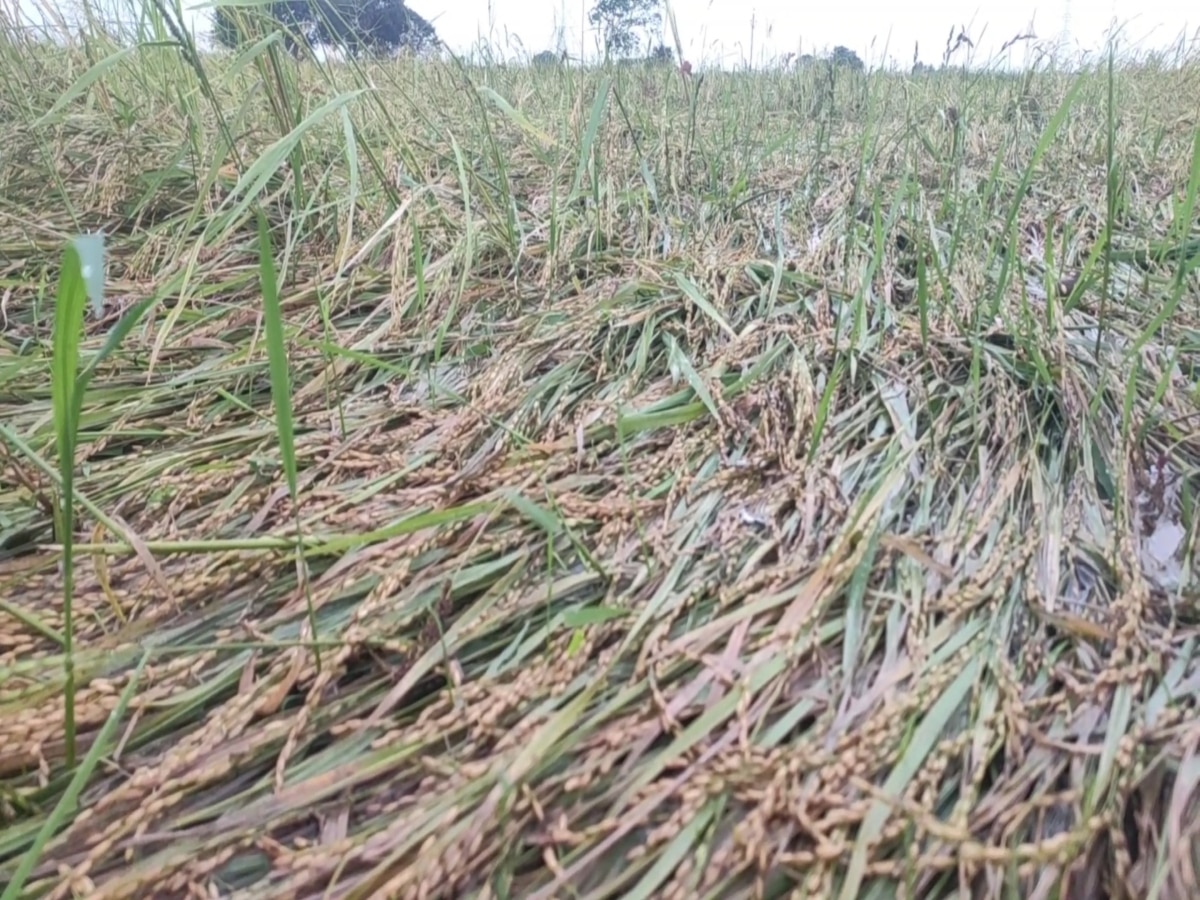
[[355, 26]]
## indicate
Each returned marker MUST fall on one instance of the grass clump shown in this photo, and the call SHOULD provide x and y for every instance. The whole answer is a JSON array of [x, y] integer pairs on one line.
[[531, 482]]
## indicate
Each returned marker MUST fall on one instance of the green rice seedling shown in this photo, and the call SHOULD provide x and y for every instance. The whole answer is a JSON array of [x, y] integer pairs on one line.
[[281, 398]]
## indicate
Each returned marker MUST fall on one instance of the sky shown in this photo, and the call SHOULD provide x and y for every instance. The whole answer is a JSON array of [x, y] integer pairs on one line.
[[736, 32], [750, 30]]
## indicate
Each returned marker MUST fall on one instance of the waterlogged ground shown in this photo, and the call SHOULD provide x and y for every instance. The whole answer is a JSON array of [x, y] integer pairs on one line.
[[706, 488]]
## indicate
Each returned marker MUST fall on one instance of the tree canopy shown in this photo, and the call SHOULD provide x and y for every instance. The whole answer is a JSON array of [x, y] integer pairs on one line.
[[358, 26], [621, 21], [548, 59], [844, 56]]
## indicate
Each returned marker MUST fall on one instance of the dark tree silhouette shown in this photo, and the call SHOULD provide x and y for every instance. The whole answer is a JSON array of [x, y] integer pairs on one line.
[[662, 55], [378, 26], [548, 59], [621, 20], [235, 26], [357, 26], [844, 56]]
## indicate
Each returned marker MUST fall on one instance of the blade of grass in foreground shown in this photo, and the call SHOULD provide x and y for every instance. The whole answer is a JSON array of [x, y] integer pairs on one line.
[[267, 166], [599, 105], [66, 403], [82, 281], [922, 743], [69, 800], [281, 397]]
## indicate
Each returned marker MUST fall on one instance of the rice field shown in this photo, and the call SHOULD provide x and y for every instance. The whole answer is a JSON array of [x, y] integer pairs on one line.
[[505, 482]]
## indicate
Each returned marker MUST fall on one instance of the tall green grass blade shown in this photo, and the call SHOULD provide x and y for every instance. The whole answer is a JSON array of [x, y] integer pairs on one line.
[[267, 166], [67, 401], [584, 163], [93, 74], [281, 395]]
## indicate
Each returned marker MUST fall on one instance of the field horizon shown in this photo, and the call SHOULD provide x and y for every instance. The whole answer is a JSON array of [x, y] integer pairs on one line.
[[554, 482]]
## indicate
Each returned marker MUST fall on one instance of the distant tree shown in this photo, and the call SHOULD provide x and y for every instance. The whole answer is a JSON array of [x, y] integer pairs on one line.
[[358, 26], [379, 26], [661, 55], [234, 27], [844, 56], [548, 59], [621, 21]]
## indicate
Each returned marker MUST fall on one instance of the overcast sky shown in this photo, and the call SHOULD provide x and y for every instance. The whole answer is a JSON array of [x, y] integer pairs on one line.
[[736, 31]]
